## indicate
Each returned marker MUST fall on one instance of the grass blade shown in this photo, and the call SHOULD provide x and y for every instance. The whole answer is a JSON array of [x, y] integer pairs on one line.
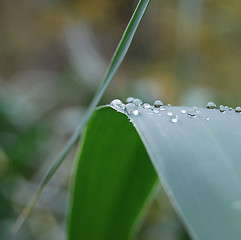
[[117, 59]]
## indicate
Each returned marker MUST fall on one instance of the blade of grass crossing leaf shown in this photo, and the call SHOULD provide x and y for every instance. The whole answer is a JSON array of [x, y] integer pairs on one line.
[[117, 59]]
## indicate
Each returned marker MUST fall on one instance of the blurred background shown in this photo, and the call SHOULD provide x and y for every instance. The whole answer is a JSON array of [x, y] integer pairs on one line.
[[53, 55]]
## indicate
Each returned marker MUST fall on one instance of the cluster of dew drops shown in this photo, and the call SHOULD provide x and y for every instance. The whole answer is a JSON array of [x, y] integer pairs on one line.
[[133, 104]]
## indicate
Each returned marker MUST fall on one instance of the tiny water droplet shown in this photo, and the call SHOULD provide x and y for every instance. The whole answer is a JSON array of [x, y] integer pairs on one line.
[[174, 119], [130, 99], [222, 109], [211, 105], [169, 114], [169, 105], [158, 103], [238, 109], [131, 108], [183, 111], [146, 106], [162, 109], [137, 102], [230, 109], [117, 103], [155, 110], [226, 107], [207, 118]]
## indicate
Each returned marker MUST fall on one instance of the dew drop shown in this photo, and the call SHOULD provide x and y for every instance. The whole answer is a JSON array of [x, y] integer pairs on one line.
[[211, 105], [230, 109], [137, 102], [238, 109], [131, 108], [162, 109], [183, 111], [169, 105], [169, 114], [158, 103], [130, 99], [146, 106], [207, 118], [192, 113], [174, 119], [117, 103], [155, 110], [222, 109]]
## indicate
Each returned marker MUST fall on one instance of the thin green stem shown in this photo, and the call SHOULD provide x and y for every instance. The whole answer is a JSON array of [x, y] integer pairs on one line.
[[116, 60]]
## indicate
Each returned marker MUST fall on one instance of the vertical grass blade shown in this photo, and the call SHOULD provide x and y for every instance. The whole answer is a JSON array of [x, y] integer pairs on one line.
[[117, 59]]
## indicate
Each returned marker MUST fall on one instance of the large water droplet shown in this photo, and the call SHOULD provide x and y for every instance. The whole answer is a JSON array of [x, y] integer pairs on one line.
[[137, 102], [146, 106], [174, 119], [158, 103], [131, 108], [130, 99], [211, 105], [238, 109], [192, 113], [117, 104]]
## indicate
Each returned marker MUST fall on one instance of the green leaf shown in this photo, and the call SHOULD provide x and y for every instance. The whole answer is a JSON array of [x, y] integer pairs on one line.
[[113, 180], [198, 162]]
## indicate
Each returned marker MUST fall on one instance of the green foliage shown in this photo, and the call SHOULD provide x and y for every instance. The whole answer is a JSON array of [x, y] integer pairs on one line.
[[113, 180], [195, 158]]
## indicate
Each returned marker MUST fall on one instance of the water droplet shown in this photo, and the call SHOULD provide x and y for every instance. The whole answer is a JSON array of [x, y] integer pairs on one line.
[[130, 99], [155, 110], [222, 109], [131, 108], [211, 105], [137, 102], [238, 109], [169, 114], [162, 109], [230, 109], [226, 107], [169, 105], [207, 118], [158, 103], [146, 106], [192, 113], [117, 103], [174, 119], [183, 111]]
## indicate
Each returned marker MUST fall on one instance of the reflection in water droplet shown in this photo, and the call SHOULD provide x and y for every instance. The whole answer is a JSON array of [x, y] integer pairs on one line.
[[131, 108], [137, 102], [158, 103], [183, 111], [169, 114], [146, 105], [208, 118], [130, 99], [117, 103], [174, 119], [238, 109], [211, 105]]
